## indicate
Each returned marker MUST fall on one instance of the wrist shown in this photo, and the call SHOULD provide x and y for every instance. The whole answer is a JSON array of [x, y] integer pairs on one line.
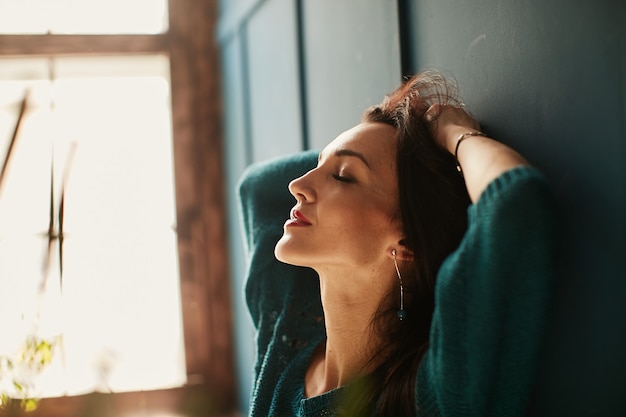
[[458, 141], [454, 134]]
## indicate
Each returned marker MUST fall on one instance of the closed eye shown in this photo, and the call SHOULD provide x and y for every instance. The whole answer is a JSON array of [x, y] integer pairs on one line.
[[341, 178]]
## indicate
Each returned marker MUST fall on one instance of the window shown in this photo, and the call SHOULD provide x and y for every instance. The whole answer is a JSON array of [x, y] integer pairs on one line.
[[105, 125], [169, 61], [83, 16]]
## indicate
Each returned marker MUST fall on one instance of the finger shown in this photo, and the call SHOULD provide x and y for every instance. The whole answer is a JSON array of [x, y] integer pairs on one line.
[[432, 112]]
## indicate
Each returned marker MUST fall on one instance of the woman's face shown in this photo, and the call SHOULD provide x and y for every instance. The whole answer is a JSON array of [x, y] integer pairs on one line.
[[346, 212]]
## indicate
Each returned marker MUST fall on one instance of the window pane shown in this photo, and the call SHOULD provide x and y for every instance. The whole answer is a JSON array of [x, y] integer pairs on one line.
[[106, 122], [83, 16]]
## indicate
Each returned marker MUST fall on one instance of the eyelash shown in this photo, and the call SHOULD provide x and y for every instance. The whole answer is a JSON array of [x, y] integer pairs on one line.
[[343, 179]]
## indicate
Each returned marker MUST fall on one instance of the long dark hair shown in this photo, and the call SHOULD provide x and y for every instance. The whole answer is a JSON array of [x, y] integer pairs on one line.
[[433, 205]]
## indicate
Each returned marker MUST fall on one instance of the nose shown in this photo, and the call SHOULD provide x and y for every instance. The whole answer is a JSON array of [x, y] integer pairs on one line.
[[301, 188]]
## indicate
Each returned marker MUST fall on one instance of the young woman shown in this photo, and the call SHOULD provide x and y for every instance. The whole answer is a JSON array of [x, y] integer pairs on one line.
[[415, 267]]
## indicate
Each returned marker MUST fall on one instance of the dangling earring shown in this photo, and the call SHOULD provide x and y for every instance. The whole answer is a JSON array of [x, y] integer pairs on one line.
[[401, 312]]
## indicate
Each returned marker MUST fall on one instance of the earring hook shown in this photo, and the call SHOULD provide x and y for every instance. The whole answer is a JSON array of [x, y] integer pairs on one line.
[[402, 312]]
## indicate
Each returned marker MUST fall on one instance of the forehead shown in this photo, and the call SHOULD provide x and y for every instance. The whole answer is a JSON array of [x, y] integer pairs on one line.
[[375, 141]]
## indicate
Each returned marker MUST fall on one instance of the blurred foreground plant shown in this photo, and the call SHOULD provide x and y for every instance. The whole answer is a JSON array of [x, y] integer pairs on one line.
[[19, 372]]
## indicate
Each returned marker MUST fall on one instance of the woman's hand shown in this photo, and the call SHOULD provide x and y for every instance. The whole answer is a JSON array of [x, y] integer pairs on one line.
[[481, 158], [448, 123]]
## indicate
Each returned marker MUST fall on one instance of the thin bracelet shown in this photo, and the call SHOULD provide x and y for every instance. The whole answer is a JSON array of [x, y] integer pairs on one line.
[[456, 149]]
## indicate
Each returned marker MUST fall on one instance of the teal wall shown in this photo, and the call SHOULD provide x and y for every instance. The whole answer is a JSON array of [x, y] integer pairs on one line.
[[545, 76]]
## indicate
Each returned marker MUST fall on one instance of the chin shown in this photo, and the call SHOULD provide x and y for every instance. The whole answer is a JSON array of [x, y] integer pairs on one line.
[[284, 255], [280, 252]]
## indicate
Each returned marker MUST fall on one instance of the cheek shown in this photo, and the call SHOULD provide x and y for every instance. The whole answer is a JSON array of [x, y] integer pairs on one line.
[[365, 230], [348, 229]]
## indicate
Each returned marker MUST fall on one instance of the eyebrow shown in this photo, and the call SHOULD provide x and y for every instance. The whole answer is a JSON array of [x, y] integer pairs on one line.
[[349, 152]]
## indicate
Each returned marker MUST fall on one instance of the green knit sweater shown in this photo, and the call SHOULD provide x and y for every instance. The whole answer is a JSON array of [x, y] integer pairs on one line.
[[491, 301]]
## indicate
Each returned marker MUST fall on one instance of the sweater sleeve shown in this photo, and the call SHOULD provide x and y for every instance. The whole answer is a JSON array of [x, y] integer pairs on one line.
[[283, 300], [491, 304], [265, 203]]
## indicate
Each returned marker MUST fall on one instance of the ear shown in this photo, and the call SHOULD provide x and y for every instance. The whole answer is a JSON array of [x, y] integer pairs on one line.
[[403, 253]]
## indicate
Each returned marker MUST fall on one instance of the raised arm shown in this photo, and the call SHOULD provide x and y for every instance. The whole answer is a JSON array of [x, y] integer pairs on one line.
[[493, 292], [481, 158]]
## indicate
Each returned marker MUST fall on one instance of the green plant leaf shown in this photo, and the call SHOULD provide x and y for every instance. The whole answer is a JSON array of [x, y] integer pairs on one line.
[[18, 386], [29, 404]]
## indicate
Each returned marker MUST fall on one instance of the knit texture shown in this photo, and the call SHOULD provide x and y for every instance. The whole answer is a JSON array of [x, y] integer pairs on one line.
[[491, 301]]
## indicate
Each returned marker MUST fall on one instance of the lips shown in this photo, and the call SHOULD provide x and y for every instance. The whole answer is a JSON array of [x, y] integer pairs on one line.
[[298, 219]]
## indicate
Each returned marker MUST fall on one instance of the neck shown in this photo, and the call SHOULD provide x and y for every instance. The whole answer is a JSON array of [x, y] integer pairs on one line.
[[350, 344]]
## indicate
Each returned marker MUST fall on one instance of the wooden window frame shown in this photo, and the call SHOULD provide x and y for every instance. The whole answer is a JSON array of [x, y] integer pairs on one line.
[[192, 47]]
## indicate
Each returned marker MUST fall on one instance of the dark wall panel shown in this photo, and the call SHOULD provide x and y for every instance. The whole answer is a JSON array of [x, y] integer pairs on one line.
[[352, 59], [274, 80], [548, 78]]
